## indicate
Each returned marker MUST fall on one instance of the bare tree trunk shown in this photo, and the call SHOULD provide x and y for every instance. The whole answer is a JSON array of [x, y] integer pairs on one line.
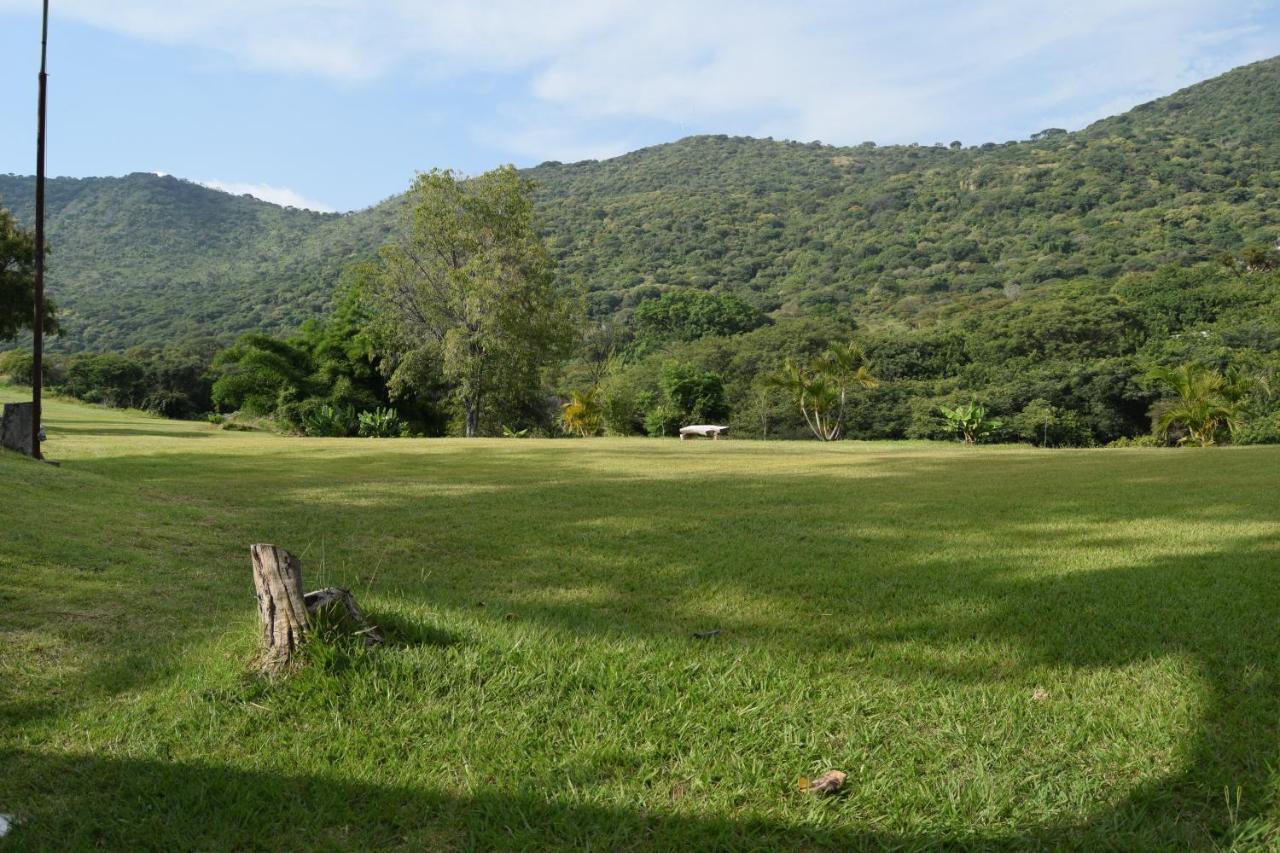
[[471, 413], [286, 614], [277, 579]]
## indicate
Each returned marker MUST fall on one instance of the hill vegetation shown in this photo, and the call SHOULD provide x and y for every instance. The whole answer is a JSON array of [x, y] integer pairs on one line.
[[880, 235], [1047, 284]]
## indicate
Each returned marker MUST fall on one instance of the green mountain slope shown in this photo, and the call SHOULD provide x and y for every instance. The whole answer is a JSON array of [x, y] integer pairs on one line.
[[145, 258], [885, 235]]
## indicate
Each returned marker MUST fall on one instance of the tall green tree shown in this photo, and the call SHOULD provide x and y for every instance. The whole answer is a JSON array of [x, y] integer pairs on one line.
[[259, 374], [18, 280], [468, 285]]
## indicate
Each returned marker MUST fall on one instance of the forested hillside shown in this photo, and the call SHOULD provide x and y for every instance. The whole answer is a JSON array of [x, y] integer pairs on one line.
[[879, 235]]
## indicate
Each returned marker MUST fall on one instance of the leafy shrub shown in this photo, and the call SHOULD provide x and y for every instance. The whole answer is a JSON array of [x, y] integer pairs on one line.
[[970, 421], [1046, 425], [1264, 430], [240, 425], [508, 432], [582, 414], [111, 379], [321, 419], [1137, 441], [16, 366], [662, 419], [381, 423], [619, 408]]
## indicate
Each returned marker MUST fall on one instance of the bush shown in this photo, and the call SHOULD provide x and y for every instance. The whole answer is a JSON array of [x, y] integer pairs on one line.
[[662, 420], [1046, 425], [1137, 441], [16, 366], [323, 420], [620, 407], [240, 422], [111, 379], [381, 423], [1264, 430]]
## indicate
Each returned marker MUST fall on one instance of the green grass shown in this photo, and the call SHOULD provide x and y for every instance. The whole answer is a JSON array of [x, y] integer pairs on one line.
[[888, 610]]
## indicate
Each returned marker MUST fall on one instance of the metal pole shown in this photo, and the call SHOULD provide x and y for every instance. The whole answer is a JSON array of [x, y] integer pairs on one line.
[[37, 326]]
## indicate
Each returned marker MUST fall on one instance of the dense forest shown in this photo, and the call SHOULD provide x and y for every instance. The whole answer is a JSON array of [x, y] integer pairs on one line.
[[885, 235], [1048, 278]]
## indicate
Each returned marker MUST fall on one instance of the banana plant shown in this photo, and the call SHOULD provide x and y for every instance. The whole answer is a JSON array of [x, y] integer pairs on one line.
[[970, 421]]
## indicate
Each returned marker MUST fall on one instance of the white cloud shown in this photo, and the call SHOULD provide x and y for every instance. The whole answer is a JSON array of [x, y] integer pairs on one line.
[[282, 196], [837, 71]]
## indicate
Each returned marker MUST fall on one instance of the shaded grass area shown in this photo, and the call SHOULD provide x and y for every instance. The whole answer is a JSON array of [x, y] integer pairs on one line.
[[888, 610]]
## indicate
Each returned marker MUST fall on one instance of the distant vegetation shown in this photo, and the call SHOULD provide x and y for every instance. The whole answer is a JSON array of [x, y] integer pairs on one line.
[[17, 280], [1051, 283]]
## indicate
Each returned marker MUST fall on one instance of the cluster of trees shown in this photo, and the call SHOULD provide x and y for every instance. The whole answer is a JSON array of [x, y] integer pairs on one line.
[[17, 280], [458, 326], [1075, 365], [452, 327]]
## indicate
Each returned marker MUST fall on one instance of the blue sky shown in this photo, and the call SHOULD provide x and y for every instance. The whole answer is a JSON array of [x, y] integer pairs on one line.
[[335, 104]]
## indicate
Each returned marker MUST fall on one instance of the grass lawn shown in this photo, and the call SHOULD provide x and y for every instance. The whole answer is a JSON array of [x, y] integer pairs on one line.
[[1002, 647]]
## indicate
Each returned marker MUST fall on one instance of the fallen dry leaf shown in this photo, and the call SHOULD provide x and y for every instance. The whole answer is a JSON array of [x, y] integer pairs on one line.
[[827, 783]]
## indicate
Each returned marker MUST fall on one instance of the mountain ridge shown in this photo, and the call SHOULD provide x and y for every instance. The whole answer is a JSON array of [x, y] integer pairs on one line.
[[876, 234]]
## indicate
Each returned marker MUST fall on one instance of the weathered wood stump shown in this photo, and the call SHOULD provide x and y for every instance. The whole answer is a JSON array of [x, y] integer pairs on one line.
[[334, 605], [286, 614], [277, 579], [16, 426]]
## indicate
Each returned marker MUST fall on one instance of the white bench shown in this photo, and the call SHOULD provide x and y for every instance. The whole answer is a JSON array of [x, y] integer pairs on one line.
[[711, 431]]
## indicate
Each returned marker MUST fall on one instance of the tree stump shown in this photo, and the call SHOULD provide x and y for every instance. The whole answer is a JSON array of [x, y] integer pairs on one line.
[[286, 614], [282, 609], [337, 606]]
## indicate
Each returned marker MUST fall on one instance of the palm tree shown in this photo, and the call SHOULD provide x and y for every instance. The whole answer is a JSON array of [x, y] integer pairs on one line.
[[1204, 402], [1243, 391], [583, 413], [821, 390]]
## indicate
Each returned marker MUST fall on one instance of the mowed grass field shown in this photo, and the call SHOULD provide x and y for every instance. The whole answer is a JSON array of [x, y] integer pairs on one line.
[[1002, 647]]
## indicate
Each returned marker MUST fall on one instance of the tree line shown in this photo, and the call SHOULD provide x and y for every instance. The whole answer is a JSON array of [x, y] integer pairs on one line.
[[459, 326]]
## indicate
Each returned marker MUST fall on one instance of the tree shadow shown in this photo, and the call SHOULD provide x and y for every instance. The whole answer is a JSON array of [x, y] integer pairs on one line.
[[90, 802], [399, 630], [657, 558], [77, 431]]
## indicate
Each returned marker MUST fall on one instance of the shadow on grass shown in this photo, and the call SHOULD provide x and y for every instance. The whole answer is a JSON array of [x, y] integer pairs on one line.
[[400, 631], [78, 431], [880, 551], [119, 804]]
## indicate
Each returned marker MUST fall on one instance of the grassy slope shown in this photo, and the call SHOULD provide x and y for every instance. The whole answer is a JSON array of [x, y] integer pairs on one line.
[[888, 610]]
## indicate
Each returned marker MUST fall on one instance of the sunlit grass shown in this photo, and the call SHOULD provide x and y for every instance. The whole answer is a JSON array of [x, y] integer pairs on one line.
[[1000, 646]]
